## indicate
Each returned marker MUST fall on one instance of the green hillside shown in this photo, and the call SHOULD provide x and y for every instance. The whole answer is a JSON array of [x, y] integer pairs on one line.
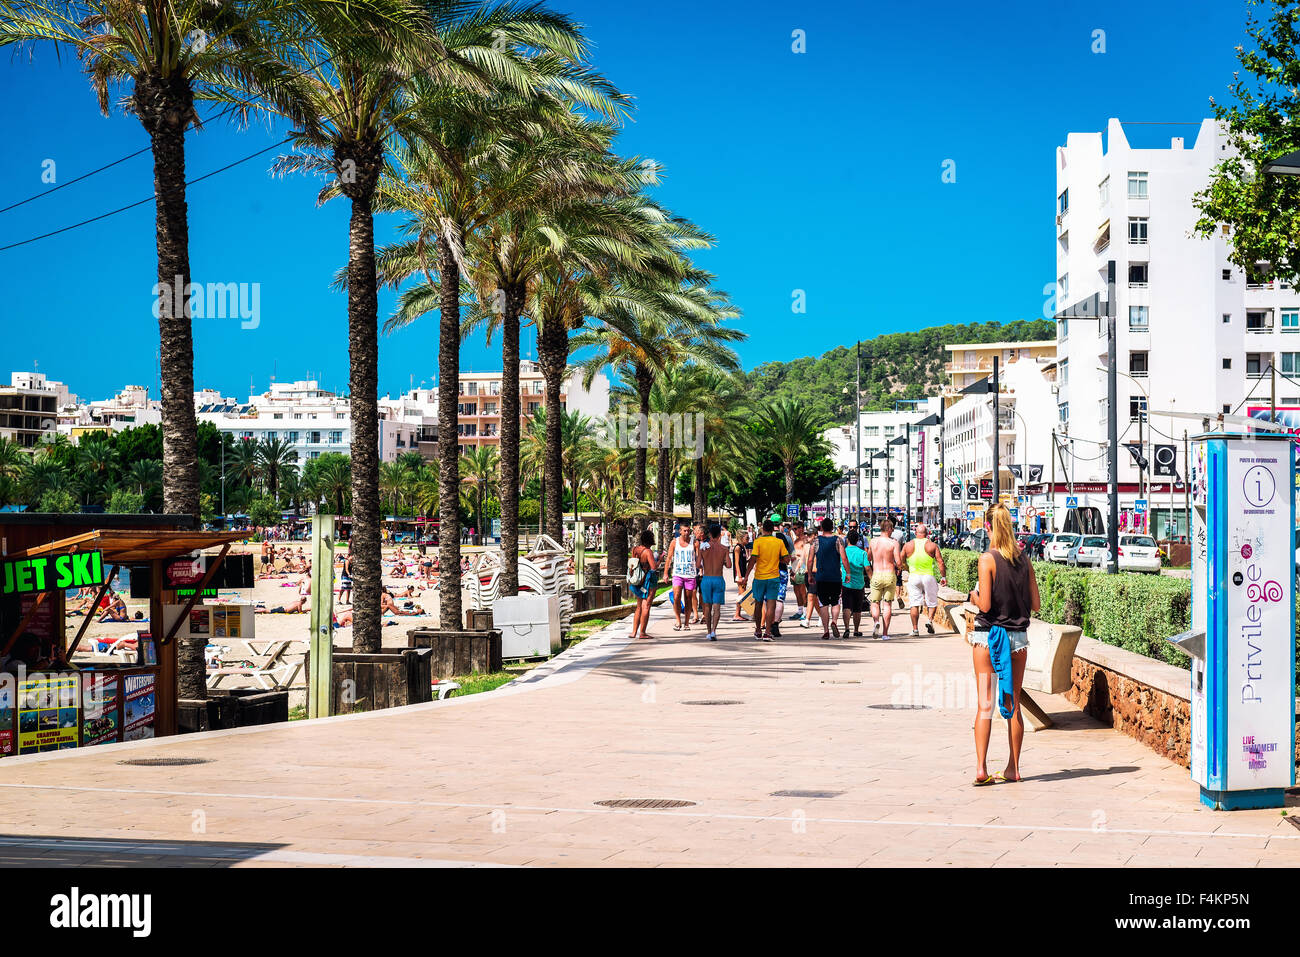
[[899, 365]]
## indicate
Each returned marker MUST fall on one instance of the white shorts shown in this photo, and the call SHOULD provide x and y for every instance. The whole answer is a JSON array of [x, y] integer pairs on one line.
[[922, 590]]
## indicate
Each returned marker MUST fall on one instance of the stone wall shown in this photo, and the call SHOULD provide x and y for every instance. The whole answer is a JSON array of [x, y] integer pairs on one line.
[[1159, 719]]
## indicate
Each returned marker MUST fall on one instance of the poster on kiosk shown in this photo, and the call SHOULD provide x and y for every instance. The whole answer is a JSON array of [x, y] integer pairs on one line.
[[1243, 603]]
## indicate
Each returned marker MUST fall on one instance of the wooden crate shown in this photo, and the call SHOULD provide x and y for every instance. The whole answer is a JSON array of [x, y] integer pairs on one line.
[[458, 652], [390, 679]]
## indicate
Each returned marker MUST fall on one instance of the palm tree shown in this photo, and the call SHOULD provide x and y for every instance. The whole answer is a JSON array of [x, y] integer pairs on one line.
[[355, 66], [393, 480], [454, 144], [533, 456], [273, 456], [97, 464], [12, 458], [246, 467], [576, 439], [479, 470], [792, 431], [169, 53], [144, 475]]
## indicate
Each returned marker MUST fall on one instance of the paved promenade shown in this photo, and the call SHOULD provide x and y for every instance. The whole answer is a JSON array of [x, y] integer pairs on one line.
[[792, 753]]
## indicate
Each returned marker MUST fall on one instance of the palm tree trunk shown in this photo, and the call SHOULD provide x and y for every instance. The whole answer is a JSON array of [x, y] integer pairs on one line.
[[553, 352], [644, 381], [363, 386], [701, 506], [789, 482], [165, 106], [449, 613], [665, 492], [509, 491]]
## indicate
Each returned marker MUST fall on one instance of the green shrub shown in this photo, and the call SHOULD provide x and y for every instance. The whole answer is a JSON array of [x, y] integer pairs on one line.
[[1132, 611]]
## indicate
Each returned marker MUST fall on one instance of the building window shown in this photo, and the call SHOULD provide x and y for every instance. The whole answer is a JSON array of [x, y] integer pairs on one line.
[[1259, 320], [1290, 363], [336, 437], [1291, 320], [1227, 317], [1064, 411], [1137, 318], [1227, 409], [1137, 406], [871, 430], [1137, 364], [293, 438], [1227, 363], [1103, 192], [1063, 202], [315, 438], [1138, 275], [1137, 184], [1064, 368], [1227, 275], [1063, 288], [1254, 364], [1137, 229], [466, 408]]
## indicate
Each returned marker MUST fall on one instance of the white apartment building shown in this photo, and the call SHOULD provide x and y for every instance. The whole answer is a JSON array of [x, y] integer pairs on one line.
[[1194, 334], [884, 480], [478, 413], [1027, 413], [309, 419], [29, 407]]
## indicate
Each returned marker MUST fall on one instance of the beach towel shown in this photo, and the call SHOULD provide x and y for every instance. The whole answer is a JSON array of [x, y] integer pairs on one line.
[[1000, 655]]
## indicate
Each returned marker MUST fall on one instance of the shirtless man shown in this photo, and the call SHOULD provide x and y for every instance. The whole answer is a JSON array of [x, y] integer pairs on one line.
[[885, 562], [700, 539], [713, 586], [923, 559]]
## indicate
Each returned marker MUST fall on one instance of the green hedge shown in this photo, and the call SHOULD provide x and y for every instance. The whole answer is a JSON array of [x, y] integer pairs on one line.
[[1133, 611]]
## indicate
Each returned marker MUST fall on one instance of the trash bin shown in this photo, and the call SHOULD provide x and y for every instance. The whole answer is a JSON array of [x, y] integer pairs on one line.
[[529, 625]]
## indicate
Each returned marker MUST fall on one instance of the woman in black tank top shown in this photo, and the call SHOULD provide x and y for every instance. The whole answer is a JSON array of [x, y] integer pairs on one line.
[[1006, 598]]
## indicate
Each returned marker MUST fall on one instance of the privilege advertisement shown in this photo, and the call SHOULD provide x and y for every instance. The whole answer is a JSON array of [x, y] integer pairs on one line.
[[1260, 638]]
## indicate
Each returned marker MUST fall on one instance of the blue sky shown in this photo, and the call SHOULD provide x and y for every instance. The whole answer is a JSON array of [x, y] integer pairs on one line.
[[818, 171]]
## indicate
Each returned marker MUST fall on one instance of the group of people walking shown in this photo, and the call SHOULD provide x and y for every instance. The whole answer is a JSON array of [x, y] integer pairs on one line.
[[838, 574]]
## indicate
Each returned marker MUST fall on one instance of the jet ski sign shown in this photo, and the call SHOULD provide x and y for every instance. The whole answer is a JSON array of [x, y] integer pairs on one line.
[[30, 576]]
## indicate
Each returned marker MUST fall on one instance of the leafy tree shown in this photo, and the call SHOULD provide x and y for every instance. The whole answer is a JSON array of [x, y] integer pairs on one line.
[[141, 442], [764, 485], [1262, 210], [60, 501], [125, 502], [898, 365], [264, 511]]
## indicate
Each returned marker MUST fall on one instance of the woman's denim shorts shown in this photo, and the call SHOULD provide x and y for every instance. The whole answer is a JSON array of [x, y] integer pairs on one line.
[[1019, 639]]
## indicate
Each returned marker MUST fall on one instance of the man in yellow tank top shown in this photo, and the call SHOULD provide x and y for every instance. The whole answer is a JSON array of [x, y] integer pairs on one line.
[[922, 557]]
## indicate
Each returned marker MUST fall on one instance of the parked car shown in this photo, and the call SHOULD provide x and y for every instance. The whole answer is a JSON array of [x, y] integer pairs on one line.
[[1091, 550], [1138, 553], [1059, 546]]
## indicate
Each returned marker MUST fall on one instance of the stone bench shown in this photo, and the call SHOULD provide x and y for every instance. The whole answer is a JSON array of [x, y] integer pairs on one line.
[[1049, 667]]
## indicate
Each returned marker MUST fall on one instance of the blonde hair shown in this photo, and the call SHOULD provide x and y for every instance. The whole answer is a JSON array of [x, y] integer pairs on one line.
[[1002, 536]]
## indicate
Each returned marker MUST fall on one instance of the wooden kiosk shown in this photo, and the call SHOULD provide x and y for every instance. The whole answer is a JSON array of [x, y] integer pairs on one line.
[[42, 556]]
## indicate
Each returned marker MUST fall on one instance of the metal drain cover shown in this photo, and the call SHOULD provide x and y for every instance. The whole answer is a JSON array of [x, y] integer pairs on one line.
[[901, 707], [164, 762], [715, 701], [841, 681], [806, 794], [645, 803]]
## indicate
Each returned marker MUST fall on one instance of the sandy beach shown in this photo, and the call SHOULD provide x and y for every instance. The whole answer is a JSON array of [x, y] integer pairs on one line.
[[272, 592]]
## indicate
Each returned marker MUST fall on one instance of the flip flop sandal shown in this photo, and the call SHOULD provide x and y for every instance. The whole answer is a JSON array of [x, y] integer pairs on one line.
[[1001, 778], [984, 782], [677, 627]]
